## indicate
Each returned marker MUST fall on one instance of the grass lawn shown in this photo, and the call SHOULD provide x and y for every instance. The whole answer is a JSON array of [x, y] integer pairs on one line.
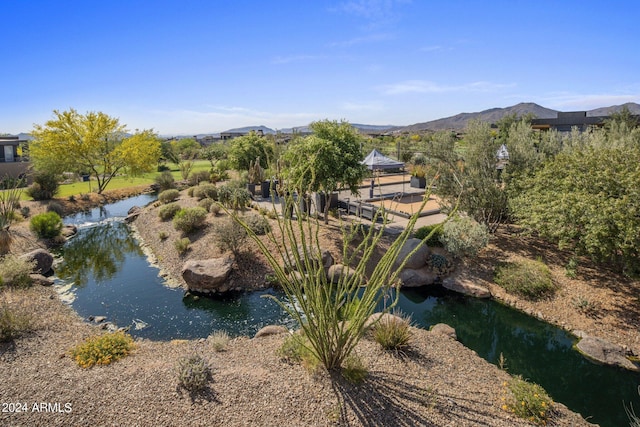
[[119, 182]]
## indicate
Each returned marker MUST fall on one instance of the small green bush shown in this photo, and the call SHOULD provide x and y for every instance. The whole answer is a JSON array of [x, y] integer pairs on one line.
[[232, 196], [214, 209], [295, 349], [257, 223], [46, 225], [392, 333], [190, 191], [55, 207], [102, 349], [229, 235], [206, 203], [464, 237], [163, 235], [168, 196], [15, 271], [197, 177], [165, 181], [182, 245], [527, 400], [434, 240], [219, 340], [13, 323], [203, 191], [440, 264], [189, 220], [45, 186], [527, 278], [194, 373], [167, 212], [354, 369]]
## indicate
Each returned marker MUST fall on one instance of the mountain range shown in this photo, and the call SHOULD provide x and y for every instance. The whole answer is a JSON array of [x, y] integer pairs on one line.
[[457, 122]]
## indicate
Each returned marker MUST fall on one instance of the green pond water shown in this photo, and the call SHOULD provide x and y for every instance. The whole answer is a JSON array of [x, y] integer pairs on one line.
[[103, 272]]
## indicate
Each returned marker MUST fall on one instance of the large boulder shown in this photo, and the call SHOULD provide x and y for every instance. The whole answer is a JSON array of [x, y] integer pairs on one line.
[[413, 278], [463, 285], [444, 329], [42, 258], [387, 318], [336, 271], [418, 259], [271, 330], [605, 352], [209, 275], [321, 256]]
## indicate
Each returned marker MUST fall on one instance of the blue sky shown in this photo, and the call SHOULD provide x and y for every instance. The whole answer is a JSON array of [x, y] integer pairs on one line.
[[187, 67]]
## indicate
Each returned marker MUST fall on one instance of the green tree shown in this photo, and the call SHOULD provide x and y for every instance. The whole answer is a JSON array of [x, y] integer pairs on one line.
[[326, 161], [93, 143], [587, 200], [245, 149], [215, 152]]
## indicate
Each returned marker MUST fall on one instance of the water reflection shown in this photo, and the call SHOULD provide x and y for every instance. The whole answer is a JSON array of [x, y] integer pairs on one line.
[[97, 252]]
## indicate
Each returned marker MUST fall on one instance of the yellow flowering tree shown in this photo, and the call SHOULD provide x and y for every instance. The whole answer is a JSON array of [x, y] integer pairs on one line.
[[92, 143]]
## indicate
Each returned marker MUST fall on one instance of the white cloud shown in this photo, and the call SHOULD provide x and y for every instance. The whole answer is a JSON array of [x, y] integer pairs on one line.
[[569, 101], [426, 86]]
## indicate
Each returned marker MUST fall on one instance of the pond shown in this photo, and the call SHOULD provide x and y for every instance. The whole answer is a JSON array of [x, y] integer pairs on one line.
[[105, 273]]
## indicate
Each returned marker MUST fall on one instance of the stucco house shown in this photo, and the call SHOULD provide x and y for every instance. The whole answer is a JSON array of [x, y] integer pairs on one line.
[[12, 162]]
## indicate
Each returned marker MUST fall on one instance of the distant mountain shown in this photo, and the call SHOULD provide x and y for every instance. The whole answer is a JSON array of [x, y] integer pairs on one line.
[[605, 111], [248, 129], [492, 115]]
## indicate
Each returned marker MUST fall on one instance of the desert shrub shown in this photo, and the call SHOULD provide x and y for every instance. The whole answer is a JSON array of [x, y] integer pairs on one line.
[[190, 191], [25, 211], [464, 237], [528, 278], [219, 340], [55, 207], [440, 264], [46, 225], [205, 190], [232, 196], [214, 209], [13, 323], [168, 196], [44, 187], [229, 235], [15, 271], [571, 269], [182, 245], [206, 203], [194, 373], [392, 333], [197, 177], [102, 349], [331, 339], [188, 220], [257, 223], [165, 181], [9, 202], [295, 349], [527, 400], [163, 235], [434, 239], [163, 168], [167, 212], [354, 369]]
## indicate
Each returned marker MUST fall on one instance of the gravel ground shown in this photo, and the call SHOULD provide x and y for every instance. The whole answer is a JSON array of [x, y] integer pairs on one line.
[[437, 382]]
